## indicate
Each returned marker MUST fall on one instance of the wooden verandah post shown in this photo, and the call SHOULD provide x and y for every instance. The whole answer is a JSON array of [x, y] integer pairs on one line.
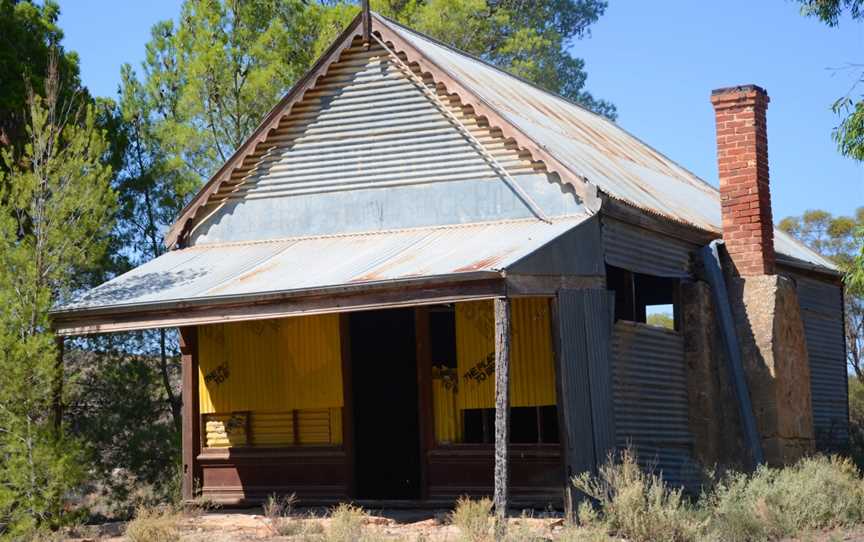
[[502, 412], [191, 438]]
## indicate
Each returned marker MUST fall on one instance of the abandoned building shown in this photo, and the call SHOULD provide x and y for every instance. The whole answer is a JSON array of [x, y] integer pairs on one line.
[[418, 260]]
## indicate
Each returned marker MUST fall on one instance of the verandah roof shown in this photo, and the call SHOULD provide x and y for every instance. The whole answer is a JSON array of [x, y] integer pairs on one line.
[[237, 272]]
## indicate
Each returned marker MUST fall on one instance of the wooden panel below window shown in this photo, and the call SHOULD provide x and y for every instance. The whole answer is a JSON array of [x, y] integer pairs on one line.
[[536, 473], [248, 476]]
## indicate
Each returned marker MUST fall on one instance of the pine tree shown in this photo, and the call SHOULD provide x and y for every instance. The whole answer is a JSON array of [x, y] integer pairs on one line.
[[55, 211]]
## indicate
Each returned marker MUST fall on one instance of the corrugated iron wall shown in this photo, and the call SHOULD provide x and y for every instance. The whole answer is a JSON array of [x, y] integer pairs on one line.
[[642, 251], [367, 125], [651, 400], [356, 115], [585, 385], [822, 311], [270, 369]]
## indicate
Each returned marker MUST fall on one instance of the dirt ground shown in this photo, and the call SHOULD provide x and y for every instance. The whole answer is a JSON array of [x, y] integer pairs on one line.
[[399, 525], [248, 525]]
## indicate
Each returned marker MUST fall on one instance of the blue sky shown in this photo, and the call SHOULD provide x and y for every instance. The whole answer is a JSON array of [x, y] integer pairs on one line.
[[657, 61]]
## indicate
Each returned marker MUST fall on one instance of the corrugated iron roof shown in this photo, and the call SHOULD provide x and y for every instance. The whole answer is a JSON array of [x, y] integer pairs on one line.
[[590, 145], [213, 271]]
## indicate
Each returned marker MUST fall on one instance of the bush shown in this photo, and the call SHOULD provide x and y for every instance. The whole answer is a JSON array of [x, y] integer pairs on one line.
[[279, 514], [153, 525], [473, 517], [346, 524], [816, 493], [635, 504]]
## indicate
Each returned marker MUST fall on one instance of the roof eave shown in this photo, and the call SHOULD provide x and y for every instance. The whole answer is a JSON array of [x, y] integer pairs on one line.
[[178, 312]]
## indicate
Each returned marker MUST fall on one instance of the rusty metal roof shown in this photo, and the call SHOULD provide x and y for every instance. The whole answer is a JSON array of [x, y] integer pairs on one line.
[[214, 271], [590, 145]]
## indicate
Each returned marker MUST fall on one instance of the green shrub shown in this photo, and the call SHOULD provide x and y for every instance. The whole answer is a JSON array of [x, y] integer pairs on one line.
[[473, 518], [816, 493], [153, 525], [635, 504], [346, 524]]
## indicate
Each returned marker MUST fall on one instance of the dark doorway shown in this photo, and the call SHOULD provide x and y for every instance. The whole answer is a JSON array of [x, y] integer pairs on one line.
[[384, 380]]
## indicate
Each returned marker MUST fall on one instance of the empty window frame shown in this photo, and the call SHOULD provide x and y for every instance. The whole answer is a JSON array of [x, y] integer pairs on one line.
[[644, 298]]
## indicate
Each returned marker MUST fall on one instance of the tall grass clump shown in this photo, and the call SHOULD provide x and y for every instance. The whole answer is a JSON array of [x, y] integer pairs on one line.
[[635, 504], [346, 524], [279, 512], [154, 525], [816, 493], [473, 518]]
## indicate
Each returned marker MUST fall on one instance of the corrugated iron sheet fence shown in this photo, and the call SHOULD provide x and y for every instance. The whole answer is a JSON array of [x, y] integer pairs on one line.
[[651, 401], [822, 312]]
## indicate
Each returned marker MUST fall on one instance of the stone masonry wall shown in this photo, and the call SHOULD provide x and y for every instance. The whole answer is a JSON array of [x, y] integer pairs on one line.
[[771, 332]]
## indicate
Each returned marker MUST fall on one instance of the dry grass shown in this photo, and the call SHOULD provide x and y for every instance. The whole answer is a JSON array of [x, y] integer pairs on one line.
[[817, 494], [346, 524], [279, 512], [473, 518], [154, 525], [635, 504]]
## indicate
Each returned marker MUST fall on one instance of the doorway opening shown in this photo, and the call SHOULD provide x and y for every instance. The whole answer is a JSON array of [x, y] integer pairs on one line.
[[385, 409]]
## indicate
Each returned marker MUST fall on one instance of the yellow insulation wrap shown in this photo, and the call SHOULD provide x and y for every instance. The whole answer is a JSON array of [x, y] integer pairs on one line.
[[532, 377], [271, 365], [448, 423], [270, 369]]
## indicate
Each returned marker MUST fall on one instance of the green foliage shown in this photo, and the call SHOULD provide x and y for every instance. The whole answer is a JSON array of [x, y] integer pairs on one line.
[[116, 406], [817, 493], [528, 39], [661, 319], [209, 79], [849, 134], [29, 37], [856, 421], [473, 517], [829, 11], [840, 239], [55, 208]]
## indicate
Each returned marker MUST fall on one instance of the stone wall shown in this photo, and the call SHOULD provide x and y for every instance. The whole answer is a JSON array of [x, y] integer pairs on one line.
[[714, 418], [771, 333]]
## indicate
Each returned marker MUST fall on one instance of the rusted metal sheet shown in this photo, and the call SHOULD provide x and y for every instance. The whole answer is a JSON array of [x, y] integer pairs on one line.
[[248, 269], [651, 401], [589, 146], [643, 251], [822, 311]]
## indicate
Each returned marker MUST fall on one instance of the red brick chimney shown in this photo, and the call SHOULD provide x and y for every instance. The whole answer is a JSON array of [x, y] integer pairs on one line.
[[742, 157]]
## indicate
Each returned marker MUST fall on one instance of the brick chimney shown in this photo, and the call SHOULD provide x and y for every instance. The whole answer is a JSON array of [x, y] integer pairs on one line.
[[745, 196]]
